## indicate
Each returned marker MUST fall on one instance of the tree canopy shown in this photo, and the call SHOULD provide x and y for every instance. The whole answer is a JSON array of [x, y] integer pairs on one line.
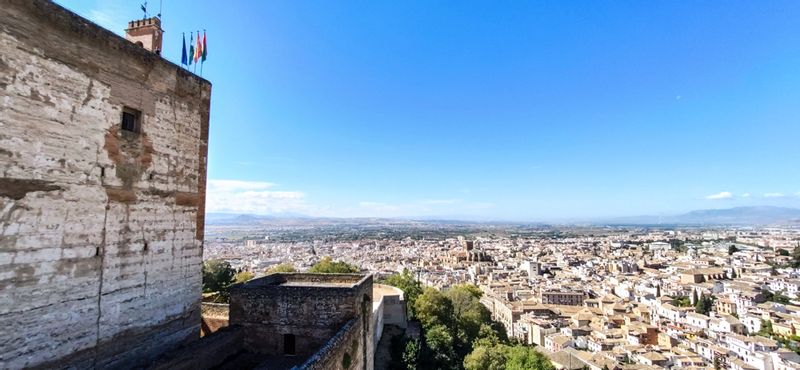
[[217, 276], [505, 357], [704, 304], [243, 277], [796, 257], [433, 308], [776, 297], [328, 266], [283, 267], [473, 340]]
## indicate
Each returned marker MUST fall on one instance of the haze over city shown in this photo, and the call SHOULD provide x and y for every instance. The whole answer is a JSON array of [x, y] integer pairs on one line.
[[537, 112]]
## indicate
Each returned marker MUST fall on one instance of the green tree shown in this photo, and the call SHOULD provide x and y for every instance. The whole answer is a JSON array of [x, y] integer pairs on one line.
[[796, 256], [282, 267], [328, 266], [468, 315], [678, 245], [501, 356], [217, 276], [409, 285], [440, 349], [411, 354], [243, 277], [433, 308], [783, 252], [486, 358], [732, 249], [487, 337], [679, 301], [468, 324], [776, 297], [523, 358], [694, 296], [766, 329], [704, 305]]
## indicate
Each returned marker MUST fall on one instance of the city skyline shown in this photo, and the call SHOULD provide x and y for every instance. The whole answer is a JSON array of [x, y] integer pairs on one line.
[[526, 112]]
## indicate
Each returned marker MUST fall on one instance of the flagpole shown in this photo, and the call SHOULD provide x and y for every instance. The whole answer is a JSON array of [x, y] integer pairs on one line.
[[183, 51], [202, 61]]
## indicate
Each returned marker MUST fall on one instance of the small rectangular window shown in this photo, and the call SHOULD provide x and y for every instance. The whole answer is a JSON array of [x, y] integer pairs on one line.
[[131, 119], [288, 344]]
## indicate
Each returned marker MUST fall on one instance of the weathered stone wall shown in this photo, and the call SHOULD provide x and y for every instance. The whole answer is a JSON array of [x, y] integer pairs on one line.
[[376, 325], [210, 352], [341, 352], [394, 304], [313, 308], [100, 229]]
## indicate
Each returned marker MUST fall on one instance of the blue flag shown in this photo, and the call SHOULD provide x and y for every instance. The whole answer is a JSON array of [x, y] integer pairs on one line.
[[191, 47], [184, 60]]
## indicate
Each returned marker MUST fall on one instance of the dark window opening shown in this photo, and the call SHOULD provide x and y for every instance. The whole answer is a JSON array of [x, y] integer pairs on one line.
[[288, 344], [131, 119]]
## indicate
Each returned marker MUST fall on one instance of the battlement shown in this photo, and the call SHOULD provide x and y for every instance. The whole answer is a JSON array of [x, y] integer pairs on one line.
[[153, 21], [307, 280]]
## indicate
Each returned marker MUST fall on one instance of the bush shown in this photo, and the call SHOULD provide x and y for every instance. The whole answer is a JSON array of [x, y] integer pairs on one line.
[[283, 267], [328, 266], [243, 277], [217, 276]]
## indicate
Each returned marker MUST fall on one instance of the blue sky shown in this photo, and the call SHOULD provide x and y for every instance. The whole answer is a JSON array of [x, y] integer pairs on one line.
[[511, 110]]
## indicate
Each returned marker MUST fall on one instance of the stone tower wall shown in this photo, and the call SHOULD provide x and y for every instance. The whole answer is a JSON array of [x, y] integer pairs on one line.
[[311, 311], [100, 229]]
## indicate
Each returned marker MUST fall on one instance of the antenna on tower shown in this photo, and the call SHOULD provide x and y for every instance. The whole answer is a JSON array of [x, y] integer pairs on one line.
[[160, 6], [144, 9]]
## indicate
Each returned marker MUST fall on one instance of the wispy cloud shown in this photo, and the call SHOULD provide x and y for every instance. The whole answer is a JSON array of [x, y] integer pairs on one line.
[[774, 195], [252, 197], [720, 195], [745, 195], [238, 185], [110, 15]]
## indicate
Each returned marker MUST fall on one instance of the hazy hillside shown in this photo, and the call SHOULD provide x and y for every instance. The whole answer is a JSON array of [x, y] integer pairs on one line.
[[758, 215]]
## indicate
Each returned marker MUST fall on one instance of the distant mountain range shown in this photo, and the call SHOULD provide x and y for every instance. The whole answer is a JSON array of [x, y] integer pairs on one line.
[[757, 215]]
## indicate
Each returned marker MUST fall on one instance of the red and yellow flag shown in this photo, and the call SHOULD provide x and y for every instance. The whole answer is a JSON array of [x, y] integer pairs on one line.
[[198, 50], [204, 54]]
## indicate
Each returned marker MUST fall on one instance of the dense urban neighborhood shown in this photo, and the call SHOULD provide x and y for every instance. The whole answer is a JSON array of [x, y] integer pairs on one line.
[[598, 297]]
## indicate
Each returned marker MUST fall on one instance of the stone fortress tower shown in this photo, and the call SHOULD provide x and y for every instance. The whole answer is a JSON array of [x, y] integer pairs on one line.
[[103, 149]]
